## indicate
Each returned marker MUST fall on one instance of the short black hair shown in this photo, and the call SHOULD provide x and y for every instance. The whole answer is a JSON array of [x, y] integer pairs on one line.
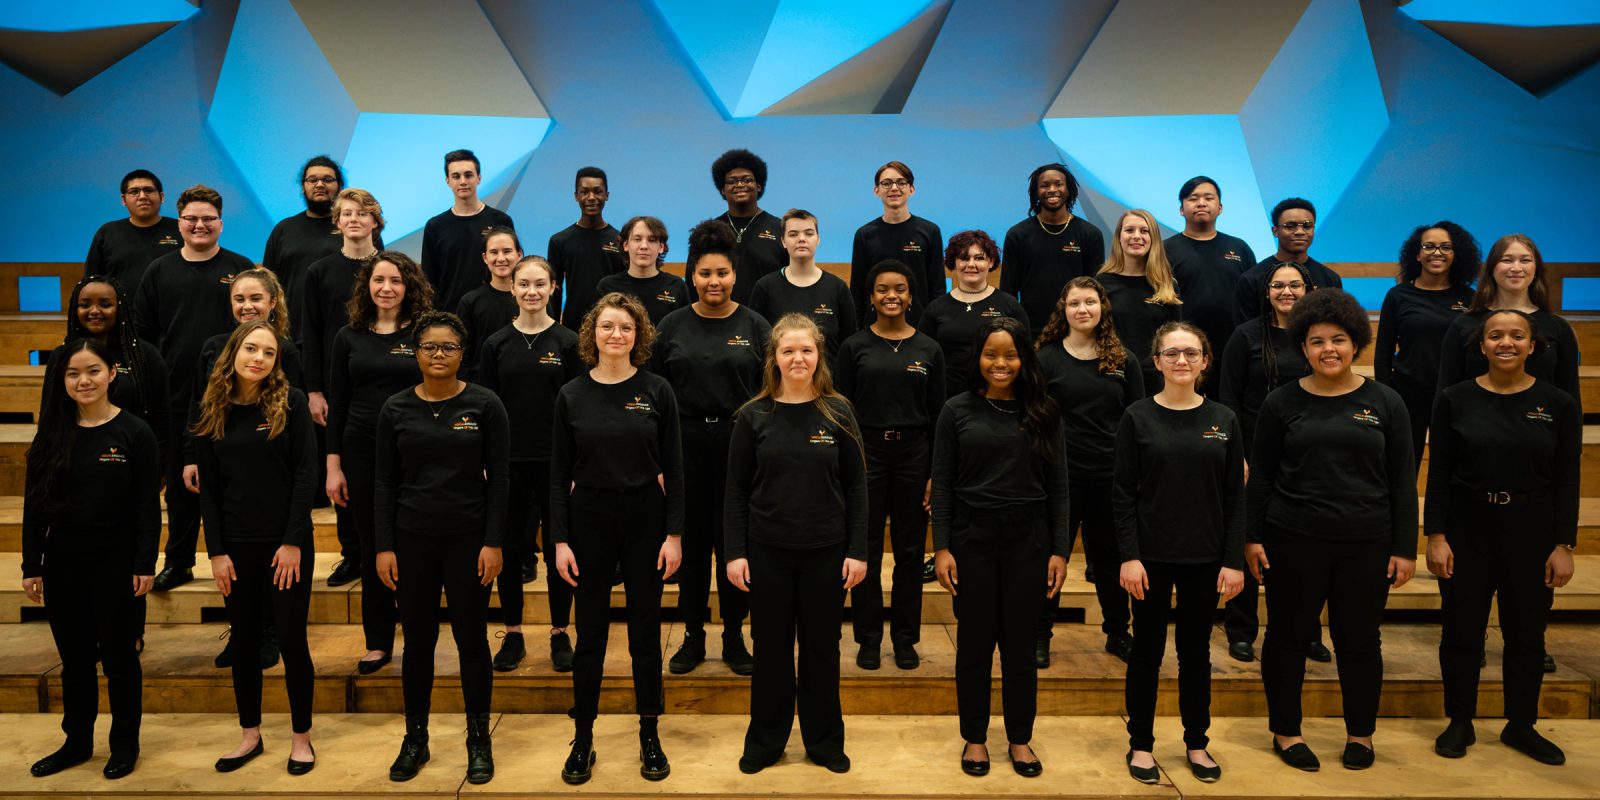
[[735, 159], [1468, 255], [1482, 329], [1033, 185], [891, 265], [1194, 183], [1290, 204], [590, 172], [440, 319], [137, 174], [1334, 307], [324, 161], [461, 155]]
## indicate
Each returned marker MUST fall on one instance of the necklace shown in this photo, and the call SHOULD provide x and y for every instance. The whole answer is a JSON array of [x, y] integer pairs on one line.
[[738, 232], [439, 409], [973, 300], [894, 344], [527, 341], [1057, 231], [997, 407]]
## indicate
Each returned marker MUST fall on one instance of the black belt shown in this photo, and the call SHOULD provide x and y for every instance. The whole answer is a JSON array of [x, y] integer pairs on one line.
[[1505, 498], [890, 434]]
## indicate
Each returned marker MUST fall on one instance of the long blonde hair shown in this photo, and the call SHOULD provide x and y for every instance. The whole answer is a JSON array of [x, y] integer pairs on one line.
[[269, 281], [217, 400], [1157, 269], [828, 400]]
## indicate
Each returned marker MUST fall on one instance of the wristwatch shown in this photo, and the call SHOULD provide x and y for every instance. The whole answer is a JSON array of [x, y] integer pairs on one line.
[[1571, 548]]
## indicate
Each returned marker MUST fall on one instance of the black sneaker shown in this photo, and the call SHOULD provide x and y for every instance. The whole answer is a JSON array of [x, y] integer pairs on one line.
[[905, 656], [561, 652], [1242, 651], [172, 578], [344, 572], [512, 651], [1120, 645], [1455, 740], [690, 653], [736, 656], [868, 657], [1527, 741]]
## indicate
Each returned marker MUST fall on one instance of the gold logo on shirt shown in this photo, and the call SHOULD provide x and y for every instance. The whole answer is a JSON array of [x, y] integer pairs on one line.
[[919, 367], [667, 297], [402, 349], [1215, 433], [739, 341], [991, 311], [1538, 414], [1231, 256], [1366, 416], [638, 404], [265, 427], [1459, 307], [822, 437], [550, 359], [170, 239], [822, 310], [1071, 247], [123, 369], [113, 455], [911, 247], [610, 247], [767, 235], [226, 280], [466, 423]]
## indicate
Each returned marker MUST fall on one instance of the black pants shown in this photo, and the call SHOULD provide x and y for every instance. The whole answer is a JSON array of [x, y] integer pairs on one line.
[[999, 592], [183, 512], [426, 564], [1196, 586], [88, 598], [1348, 576], [344, 525], [1499, 551], [1241, 616], [1419, 407], [795, 596], [528, 514], [705, 446], [378, 614], [897, 476], [611, 528], [1091, 509], [253, 592]]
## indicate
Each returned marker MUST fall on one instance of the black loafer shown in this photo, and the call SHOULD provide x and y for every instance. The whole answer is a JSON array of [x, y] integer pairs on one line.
[[1319, 653], [974, 767], [226, 764], [1202, 773], [1527, 741], [839, 763], [1120, 645], [653, 765], [561, 652], [120, 765], [67, 756], [580, 763], [367, 667], [1151, 774], [869, 657], [172, 578], [302, 767], [1457, 737], [1357, 756], [1242, 651], [344, 572], [750, 765], [1298, 756], [905, 656]]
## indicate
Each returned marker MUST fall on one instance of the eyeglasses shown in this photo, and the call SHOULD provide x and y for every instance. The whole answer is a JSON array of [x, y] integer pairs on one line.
[[139, 191], [324, 181], [194, 220], [1431, 247], [448, 348], [1174, 355], [1278, 286], [1297, 226], [899, 183], [740, 180]]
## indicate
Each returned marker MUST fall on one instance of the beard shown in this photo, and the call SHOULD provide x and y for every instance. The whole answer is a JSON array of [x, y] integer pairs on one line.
[[319, 208]]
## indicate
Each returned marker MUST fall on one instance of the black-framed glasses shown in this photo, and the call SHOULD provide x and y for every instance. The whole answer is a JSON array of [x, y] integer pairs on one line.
[[897, 183], [326, 180], [1437, 247], [448, 348], [1297, 226], [139, 191], [1278, 286], [194, 220], [1174, 355], [739, 180]]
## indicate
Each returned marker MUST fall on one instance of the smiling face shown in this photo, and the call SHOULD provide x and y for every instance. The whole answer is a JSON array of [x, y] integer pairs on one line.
[[643, 246], [713, 279], [500, 254], [1181, 358], [386, 286], [1329, 349], [200, 223], [614, 333], [591, 195], [800, 238], [891, 294], [1437, 253], [739, 186], [972, 269], [251, 301], [1052, 189], [999, 362], [142, 200], [1507, 341], [1515, 270], [893, 189], [531, 287], [88, 377], [1284, 289], [97, 308], [439, 352], [1295, 229], [1082, 309], [796, 356], [256, 357], [1135, 235]]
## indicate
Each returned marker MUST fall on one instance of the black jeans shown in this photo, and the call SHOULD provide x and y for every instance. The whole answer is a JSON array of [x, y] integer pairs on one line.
[[88, 598], [183, 511], [897, 475], [528, 514], [795, 596], [705, 446], [428, 563], [1000, 590], [1196, 586], [610, 528], [1499, 551], [378, 613], [1091, 508], [253, 592], [1351, 578]]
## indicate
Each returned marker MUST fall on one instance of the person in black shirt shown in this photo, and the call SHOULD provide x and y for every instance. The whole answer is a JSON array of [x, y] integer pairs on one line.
[[1501, 517], [741, 177], [1438, 263], [796, 509], [373, 358], [257, 459], [1332, 518], [1050, 247], [1089, 370], [122, 248], [616, 503], [802, 287], [644, 244], [181, 302], [1139, 283], [896, 235], [439, 500], [894, 376], [99, 310], [711, 353], [952, 319], [585, 251], [91, 521], [1207, 263], [528, 378], [1179, 502], [1001, 505], [303, 239], [452, 240], [1294, 223], [491, 306]]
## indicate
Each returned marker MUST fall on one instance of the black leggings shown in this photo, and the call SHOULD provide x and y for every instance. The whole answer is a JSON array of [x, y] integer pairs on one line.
[[1000, 589], [1196, 585], [378, 614], [88, 598], [705, 446], [796, 596], [611, 528], [897, 476], [530, 512], [1091, 507], [1351, 578], [253, 591], [426, 564]]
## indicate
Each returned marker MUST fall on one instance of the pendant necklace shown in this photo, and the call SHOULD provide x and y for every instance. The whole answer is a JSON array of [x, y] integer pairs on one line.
[[738, 232], [526, 340]]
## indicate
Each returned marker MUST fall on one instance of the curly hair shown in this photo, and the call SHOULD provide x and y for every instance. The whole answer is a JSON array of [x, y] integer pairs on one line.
[[1488, 292], [1106, 341], [122, 342], [828, 401], [1041, 417], [1033, 187], [962, 242], [1468, 256], [223, 385], [419, 293], [1329, 306], [280, 306], [712, 237], [1157, 269], [644, 336], [735, 159]]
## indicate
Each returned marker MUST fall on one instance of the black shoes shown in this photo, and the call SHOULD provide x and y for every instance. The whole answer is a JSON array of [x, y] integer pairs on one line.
[[750, 765], [512, 651], [67, 756], [868, 656], [689, 655], [224, 659], [905, 656], [928, 575], [1357, 756], [653, 764], [413, 751], [1120, 645], [1041, 652], [1202, 773], [1150, 774], [303, 767], [1527, 741], [1298, 756], [229, 764], [1455, 740], [975, 767], [171, 578], [480, 755], [367, 667], [561, 652], [120, 765], [1027, 769], [580, 762], [530, 571], [1549, 663], [736, 656], [1319, 653], [344, 572], [1242, 651], [838, 764]]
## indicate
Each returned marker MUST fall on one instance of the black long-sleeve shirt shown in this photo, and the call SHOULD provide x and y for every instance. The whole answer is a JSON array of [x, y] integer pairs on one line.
[[484, 310], [1411, 326], [1252, 284], [661, 294], [581, 257], [296, 243], [366, 370], [827, 302], [916, 243], [713, 363], [1091, 404], [155, 406], [452, 253], [1243, 387], [288, 357], [981, 461], [113, 495], [954, 325], [1037, 263], [615, 437], [443, 469], [324, 311], [122, 250], [179, 305], [1207, 272], [1557, 362], [1178, 494], [1480, 441], [527, 379], [1334, 468], [894, 385], [1137, 316], [255, 489], [796, 480]]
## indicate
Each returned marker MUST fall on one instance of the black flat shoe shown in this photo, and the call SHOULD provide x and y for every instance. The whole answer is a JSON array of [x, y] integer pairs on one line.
[[736, 656], [1242, 651], [1027, 769], [580, 763], [344, 572], [171, 578], [1527, 741], [905, 656], [1457, 737], [302, 767], [1298, 756], [512, 651], [1319, 653], [653, 764], [972, 766], [1202, 773], [869, 657], [561, 652], [1041, 652], [120, 765], [838, 764], [750, 765], [67, 756], [1150, 774], [1357, 756], [229, 764], [1120, 645], [367, 667]]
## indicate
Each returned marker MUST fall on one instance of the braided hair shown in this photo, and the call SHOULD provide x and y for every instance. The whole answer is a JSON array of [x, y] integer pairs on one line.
[[121, 341]]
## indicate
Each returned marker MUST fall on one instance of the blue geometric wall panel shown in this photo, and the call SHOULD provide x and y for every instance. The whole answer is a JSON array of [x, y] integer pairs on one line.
[[1536, 44], [61, 45]]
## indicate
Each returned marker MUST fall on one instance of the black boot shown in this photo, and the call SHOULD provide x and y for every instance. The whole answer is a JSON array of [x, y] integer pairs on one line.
[[580, 762], [413, 750], [690, 653], [653, 764], [480, 757]]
